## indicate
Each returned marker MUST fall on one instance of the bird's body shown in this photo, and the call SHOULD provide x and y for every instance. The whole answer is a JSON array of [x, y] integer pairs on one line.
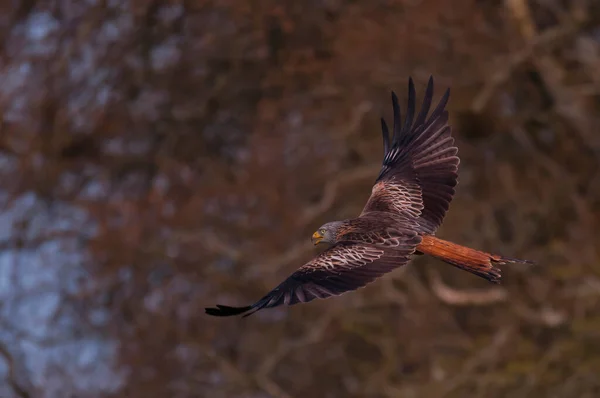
[[407, 204]]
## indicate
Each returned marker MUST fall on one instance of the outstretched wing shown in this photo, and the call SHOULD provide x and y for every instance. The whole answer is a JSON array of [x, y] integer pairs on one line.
[[420, 165], [344, 267]]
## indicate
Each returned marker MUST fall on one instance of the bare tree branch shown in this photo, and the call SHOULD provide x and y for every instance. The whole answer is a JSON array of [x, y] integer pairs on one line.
[[486, 296]]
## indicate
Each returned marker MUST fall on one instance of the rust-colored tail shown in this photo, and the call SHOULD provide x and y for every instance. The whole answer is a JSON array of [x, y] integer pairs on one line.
[[475, 261]]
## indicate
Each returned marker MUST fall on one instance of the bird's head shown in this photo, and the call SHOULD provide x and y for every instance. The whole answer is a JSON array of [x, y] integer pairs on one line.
[[327, 233]]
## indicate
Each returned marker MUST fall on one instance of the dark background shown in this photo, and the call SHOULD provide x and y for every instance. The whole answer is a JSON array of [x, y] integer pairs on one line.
[[159, 157]]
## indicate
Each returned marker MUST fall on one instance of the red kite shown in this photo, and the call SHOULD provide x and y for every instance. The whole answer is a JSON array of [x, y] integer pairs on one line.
[[408, 203]]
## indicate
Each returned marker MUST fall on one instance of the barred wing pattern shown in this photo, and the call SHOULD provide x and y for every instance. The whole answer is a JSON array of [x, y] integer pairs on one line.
[[377, 228], [344, 267], [420, 165], [410, 197]]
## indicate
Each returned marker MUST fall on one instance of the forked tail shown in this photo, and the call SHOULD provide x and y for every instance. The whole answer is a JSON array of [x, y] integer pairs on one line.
[[475, 261]]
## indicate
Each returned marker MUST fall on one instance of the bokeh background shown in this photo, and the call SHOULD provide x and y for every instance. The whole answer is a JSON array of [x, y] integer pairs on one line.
[[158, 157]]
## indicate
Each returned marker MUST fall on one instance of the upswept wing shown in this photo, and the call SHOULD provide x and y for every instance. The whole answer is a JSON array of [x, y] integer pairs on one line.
[[344, 267], [420, 165]]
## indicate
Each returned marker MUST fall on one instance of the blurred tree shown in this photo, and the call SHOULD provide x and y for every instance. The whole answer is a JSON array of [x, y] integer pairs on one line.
[[157, 157]]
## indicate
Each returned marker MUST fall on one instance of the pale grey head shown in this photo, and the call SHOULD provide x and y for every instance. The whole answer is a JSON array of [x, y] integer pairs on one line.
[[327, 233]]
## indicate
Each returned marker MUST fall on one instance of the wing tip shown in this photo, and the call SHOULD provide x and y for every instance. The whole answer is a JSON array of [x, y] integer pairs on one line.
[[386, 137], [224, 310], [396, 107], [510, 260], [445, 98], [270, 300], [412, 104]]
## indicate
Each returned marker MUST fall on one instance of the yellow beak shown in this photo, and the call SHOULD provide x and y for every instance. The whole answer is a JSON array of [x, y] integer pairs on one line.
[[317, 238]]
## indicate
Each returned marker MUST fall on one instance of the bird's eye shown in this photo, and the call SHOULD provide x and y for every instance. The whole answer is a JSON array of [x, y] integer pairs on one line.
[[322, 231]]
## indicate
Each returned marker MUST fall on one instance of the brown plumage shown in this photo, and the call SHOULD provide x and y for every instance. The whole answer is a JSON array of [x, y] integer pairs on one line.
[[475, 261], [408, 202]]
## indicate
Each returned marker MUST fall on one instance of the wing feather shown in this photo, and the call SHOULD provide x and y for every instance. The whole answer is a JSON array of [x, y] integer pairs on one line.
[[344, 267], [386, 136], [420, 167]]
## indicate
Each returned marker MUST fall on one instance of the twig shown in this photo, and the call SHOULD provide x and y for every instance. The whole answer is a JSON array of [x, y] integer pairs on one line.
[[331, 190], [488, 352], [545, 316], [246, 379], [557, 170], [210, 242], [500, 76], [313, 336], [568, 104], [261, 376], [448, 295]]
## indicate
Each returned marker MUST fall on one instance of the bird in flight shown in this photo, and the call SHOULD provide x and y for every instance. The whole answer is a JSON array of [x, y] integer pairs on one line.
[[408, 202]]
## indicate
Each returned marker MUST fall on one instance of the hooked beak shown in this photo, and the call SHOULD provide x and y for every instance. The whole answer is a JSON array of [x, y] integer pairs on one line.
[[316, 238]]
